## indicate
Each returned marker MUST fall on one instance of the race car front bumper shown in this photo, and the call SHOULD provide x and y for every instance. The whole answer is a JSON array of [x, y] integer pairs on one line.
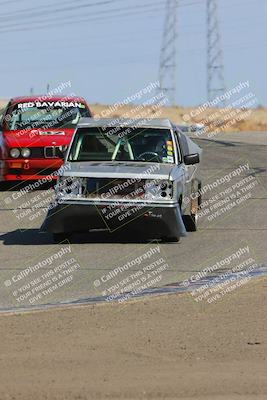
[[23, 169], [156, 220]]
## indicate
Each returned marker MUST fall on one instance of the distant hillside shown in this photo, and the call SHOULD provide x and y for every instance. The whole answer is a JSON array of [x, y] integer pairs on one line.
[[221, 119]]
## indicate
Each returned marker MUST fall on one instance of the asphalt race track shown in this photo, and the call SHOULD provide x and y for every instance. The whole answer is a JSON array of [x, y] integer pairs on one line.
[[240, 222]]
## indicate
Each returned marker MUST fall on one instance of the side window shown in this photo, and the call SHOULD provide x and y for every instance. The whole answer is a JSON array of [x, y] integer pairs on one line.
[[86, 112], [6, 116]]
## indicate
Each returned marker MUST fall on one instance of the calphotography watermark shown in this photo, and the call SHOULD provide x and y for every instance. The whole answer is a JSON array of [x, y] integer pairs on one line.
[[227, 193], [135, 115], [31, 201], [134, 276], [215, 281], [31, 119], [121, 201], [43, 281], [241, 102]]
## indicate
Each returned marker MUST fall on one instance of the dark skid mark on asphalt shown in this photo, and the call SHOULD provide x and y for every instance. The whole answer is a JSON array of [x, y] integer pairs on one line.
[[172, 288], [219, 142]]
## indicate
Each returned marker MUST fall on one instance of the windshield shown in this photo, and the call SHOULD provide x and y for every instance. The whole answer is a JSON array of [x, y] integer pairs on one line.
[[45, 115], [122, 144]]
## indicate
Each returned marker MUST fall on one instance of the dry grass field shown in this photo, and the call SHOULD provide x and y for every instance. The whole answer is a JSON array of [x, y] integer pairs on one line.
[[224, 120]]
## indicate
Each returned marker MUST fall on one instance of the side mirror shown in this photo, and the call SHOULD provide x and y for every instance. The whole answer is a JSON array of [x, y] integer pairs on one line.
[[191, 159]]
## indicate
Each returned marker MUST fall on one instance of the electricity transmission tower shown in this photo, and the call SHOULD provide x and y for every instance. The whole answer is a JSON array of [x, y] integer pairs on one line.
[[167, 70], [215, 78]]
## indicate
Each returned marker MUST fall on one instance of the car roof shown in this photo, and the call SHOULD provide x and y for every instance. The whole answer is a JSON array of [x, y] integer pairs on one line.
[[119, 122], [46, 97]]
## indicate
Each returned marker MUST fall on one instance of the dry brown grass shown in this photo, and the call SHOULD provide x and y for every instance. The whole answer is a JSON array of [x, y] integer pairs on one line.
[[248, 120]]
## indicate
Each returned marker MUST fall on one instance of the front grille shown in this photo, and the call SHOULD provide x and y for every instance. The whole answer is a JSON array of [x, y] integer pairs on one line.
[[37, 152], [46, 152], [52, 152], [114, 189]]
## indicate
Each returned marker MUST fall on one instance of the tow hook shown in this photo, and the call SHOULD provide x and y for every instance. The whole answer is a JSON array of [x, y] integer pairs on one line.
[[27, 165]]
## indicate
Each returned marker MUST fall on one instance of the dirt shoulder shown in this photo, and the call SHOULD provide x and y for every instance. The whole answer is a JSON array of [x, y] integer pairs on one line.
[[167, 347]]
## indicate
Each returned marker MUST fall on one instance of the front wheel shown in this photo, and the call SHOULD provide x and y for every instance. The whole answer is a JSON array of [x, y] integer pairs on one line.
[[190, 222], [170, 239], [4, 186]]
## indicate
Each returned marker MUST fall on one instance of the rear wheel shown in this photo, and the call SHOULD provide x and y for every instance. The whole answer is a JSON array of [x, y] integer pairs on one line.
[[190, 221]]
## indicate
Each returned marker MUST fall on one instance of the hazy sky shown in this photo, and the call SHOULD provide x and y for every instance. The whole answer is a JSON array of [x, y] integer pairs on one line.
[[111, 49]]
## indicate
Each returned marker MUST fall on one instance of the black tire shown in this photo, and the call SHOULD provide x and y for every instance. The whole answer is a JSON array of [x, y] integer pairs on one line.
[[4, 186], [190, 223], [170, 239], [61, 237]]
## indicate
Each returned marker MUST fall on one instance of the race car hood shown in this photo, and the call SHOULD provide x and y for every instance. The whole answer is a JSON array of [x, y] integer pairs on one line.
[[122, 169], [38, 137]]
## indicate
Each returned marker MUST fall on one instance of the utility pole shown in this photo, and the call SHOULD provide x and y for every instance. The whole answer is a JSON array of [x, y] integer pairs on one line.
[[167, 70], [215, 68]]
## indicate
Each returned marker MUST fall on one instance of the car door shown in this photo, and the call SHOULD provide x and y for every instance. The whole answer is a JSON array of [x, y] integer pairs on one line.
[[1, 149], [182, 167], [188, 170]]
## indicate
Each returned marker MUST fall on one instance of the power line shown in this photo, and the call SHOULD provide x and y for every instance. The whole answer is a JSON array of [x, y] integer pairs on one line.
[[8, 2], [17, 12], [42, 7], [167, 69], [37, 15], [215, 67], [45, 14], [54, 10], [73, 21]]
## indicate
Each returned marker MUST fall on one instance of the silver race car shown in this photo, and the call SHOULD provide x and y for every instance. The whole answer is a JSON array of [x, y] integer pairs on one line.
[[127, 175]]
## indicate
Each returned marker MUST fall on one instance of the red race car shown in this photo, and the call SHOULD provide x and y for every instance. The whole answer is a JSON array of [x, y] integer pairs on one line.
[[35, 132]]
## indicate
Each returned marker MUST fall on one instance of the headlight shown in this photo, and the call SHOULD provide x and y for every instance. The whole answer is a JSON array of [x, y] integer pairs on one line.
[[155, 190], [15, 153], [25, 153]]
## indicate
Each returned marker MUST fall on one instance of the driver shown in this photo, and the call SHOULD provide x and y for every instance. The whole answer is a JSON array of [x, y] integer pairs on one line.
[[156, 144]]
